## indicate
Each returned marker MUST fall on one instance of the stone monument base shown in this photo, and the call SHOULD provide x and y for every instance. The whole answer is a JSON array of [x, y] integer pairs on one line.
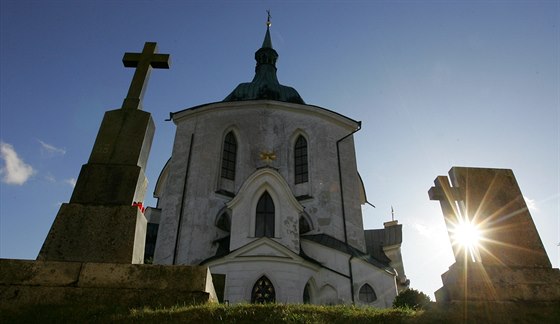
[[96, 233], [475, 281], [28, 283]]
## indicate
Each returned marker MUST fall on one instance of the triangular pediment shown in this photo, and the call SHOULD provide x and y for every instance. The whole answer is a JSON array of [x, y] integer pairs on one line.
[[262, 249]]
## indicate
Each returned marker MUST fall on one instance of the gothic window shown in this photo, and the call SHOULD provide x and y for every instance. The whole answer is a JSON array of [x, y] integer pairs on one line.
[[367, 294], [229, 155], [263, 291], [223, 222], [264, 222], [306, 294], [300, 160], [304, 226]]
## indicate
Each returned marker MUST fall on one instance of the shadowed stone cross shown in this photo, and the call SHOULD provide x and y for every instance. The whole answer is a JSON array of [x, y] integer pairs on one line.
[[143, 62]]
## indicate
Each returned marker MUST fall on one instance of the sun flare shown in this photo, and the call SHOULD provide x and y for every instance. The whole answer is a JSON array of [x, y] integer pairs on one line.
[[467, 236]]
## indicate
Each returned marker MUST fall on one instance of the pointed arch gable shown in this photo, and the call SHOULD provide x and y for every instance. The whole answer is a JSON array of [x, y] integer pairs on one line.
[[266, 179], [244, 208]]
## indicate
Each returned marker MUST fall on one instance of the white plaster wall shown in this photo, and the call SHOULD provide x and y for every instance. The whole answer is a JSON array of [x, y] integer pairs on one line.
[[329, 258], [382, 282], [259, 126], [289, 279], [170, 201]]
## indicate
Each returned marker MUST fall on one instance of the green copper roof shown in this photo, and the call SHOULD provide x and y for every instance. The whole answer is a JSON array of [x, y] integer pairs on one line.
[[265, 84], [267, 43]]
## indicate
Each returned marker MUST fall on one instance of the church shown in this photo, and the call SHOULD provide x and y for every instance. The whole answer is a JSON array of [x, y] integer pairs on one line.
[[264, 190]]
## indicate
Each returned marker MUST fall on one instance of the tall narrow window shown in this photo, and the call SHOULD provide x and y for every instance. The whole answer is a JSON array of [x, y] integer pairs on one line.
[[228, 156], [264, 222], [224, 223], [367, 294], [300, 160], [263, 291], [306, 294]]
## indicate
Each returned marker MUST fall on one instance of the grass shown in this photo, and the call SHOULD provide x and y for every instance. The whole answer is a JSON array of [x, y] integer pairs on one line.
[[282, 313]]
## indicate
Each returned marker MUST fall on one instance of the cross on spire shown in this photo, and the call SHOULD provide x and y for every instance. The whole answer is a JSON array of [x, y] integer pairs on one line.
[[143, 62], [268, 23]]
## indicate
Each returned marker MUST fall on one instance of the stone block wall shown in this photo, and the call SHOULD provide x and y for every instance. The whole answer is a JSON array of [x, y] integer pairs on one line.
[[24, 283]]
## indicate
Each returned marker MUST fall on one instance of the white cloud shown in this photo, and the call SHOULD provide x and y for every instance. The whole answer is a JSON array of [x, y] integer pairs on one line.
[[423, 230], [436, 233], [50, 178], [51, 149], [14, 171], [531, 204], [71, 182]]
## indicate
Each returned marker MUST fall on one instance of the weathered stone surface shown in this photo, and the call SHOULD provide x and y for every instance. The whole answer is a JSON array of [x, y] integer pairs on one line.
[[24, 282], [41, 295], [110, 184], [187, 278], [511, 264], [497, 283], [85, 233], [28, 272], [125, 137]]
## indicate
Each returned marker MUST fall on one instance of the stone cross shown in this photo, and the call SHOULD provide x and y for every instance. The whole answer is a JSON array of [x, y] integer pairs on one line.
[[143, 62], [492, 199]]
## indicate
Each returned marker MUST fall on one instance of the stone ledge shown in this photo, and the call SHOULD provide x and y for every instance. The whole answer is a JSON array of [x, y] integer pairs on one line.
[[499, 284], [26, 282], [15, 296]]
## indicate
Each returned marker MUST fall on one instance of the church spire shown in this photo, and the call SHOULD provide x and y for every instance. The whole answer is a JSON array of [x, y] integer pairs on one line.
[[265, 84], [266, 54], [267, 43]]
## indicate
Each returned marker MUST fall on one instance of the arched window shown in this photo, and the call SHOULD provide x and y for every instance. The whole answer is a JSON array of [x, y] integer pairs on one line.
[[304, 226], [367, 294], [223, 222], [229, 155], [263, 291], [300, 160], [306, 294], [264, 222]]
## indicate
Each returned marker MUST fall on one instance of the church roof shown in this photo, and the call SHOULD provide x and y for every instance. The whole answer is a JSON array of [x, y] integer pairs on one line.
[[333, 243], [265, 84]]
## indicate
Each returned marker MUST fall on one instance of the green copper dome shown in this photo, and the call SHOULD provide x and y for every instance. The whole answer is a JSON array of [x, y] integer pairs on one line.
[[265, 84]]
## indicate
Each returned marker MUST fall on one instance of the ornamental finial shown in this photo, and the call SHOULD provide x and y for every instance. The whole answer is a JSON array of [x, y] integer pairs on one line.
[[268, 23]]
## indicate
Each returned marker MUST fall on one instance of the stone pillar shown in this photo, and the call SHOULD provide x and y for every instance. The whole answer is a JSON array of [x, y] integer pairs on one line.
[[100, 224], [511, 263]]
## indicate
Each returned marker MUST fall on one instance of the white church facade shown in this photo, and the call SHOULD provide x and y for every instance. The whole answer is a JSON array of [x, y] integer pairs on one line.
[[264, 190]]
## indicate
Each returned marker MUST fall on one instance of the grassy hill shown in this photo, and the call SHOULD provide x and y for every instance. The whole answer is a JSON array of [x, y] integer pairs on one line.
[[281, 313]]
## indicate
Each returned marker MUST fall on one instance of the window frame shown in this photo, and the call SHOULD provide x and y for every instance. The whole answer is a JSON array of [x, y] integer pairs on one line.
[[229, 156], [367, 294], [263, 282], [265, 216], [301, 160]]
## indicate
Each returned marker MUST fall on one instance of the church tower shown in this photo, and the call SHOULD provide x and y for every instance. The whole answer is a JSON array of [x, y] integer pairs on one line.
[[264, 190]]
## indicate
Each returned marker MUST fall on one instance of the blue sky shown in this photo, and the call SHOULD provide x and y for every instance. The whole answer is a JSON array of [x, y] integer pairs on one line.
[[436, 84]]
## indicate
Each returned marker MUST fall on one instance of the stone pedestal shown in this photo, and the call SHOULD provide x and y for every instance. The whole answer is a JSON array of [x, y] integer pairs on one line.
[[99, 224], [93, 233], [475, 281], [26, 283]]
